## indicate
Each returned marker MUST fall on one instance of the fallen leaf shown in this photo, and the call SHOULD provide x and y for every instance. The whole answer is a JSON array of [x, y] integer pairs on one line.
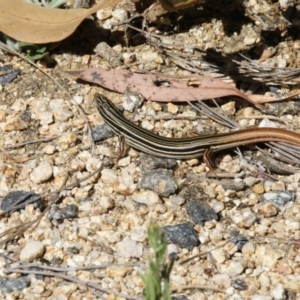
[[35, 24], [260, 99], [160, 87]]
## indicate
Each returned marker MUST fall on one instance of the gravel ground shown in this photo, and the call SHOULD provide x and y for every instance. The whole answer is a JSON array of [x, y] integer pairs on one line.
[[245, 227]]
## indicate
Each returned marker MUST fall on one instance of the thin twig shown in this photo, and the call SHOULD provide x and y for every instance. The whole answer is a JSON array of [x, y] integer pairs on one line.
[[90, 267], [196, 287], [18, 145]]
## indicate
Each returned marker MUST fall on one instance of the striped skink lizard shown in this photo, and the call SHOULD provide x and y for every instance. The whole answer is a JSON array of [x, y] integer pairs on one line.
[[190, 147]]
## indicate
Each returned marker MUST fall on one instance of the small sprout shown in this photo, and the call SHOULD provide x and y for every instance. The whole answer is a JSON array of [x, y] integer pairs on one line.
[[157, 276]]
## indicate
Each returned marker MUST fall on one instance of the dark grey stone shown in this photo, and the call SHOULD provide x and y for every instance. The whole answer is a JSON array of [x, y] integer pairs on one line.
[[8, 285], [102, 132], [194, 193], [26, 116], [149, 163], [159, 181], [240, 285], [238, 239], [182, 235], [73, 250], [9, 74], [17, 200], [200, 212]]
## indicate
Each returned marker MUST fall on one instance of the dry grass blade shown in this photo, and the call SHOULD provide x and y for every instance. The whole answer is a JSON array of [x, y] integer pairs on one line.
[[217, 115], [18, 145], [90, 267], [197, 287], [289, 153], [268, 74]]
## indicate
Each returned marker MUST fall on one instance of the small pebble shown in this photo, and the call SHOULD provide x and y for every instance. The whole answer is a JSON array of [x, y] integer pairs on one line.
[[67, 140], [102, 132], [148, 198], [177, 200], [268, 210], [8, 74], [78, 99], [63, 212], [28, 198], [229, 108], [147, 125], [238, 239], [268, 255], [159, 181], [258, 189], [46, 117], [77, 164], [31, 251], [278, 293], [278, 198], [172, 108], [240, 285], [124, 161], [119, 14], [150, 163], [249, 40], [118, 271], [49, 149], [129, 248], [8, 285], [182, 235], [107, 202], [138, 234], [233, 268], [244, 218], [104, 150], [62, 114], [14, 124], [42, 172], [130, 102], [103, 14], [109, 176], [192, 162], [200, 212], [219, 255]]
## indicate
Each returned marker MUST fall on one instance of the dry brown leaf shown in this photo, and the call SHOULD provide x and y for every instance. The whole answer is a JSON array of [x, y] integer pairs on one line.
[[30, 23], [159, 87], [260, 99]]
